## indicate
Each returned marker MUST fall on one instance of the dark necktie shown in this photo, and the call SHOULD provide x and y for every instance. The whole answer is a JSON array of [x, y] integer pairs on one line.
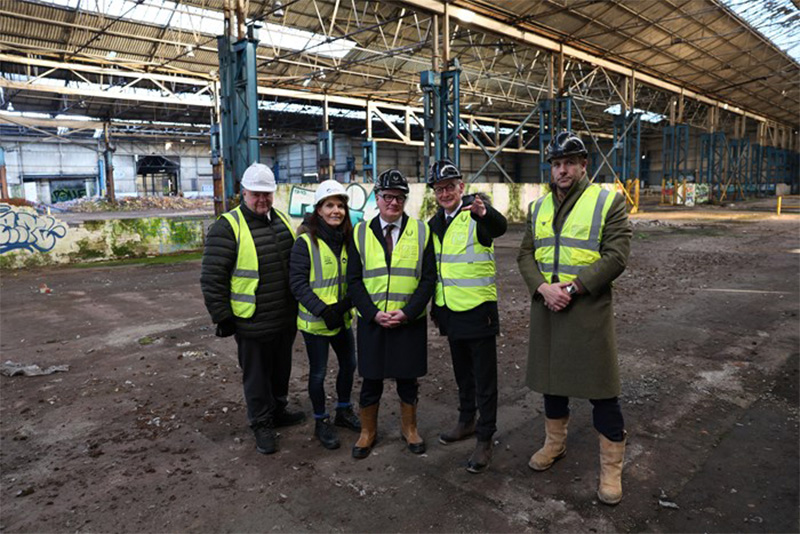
[[389, 239], [448, 220]]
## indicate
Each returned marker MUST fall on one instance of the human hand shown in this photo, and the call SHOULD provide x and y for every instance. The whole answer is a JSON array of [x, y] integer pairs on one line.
[[333, 320], [226, 328], [477, 207], [398, 317], [383, 319], [555, 298]]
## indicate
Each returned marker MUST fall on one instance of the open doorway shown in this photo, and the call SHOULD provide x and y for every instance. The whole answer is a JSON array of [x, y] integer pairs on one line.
[[157, 175]]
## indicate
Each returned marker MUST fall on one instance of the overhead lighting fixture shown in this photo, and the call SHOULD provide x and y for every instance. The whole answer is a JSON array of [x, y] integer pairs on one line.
[[112, 54], [189, 51], [306, 82], [363, 131], [277, 9], [167, 145], [465, 15]]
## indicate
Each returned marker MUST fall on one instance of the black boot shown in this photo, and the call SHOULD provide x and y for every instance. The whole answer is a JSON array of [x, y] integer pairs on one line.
[[326, 433], [266, 440], [347, 418], [461, 431], [481, 457], [282, 417]]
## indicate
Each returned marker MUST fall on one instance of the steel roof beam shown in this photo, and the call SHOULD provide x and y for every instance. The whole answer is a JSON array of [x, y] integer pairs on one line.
[[532, 38]]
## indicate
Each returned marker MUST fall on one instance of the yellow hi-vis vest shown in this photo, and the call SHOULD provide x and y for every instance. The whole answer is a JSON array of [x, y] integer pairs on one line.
[[564, 254], [244, 280], [390, 287], [466, 268], [327, 281]]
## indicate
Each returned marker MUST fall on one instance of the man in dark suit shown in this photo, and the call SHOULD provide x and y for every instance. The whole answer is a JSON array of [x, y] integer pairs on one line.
[[391, 275]]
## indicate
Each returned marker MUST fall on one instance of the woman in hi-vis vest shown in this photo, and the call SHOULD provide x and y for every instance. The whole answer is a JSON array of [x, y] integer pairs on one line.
[[317, 277]]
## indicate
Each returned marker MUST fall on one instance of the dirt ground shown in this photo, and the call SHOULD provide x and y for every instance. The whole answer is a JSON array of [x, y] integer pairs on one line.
[[147, 431]]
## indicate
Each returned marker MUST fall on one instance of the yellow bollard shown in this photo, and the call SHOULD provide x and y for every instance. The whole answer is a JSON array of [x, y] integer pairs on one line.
[[780, 198]]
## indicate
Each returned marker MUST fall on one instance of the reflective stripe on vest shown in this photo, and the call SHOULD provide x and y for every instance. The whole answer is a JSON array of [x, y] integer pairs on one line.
[[466, 269], [327, 280], [244, 280], [390, 287], [578, 244]]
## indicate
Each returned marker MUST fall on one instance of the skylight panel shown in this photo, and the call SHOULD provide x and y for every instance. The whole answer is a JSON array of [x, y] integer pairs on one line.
[[777, 20], [198, 20], [647, 116]]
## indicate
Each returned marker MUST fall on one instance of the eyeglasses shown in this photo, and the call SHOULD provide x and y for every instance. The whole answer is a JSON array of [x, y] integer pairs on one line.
[[393, 198], [449, 188]]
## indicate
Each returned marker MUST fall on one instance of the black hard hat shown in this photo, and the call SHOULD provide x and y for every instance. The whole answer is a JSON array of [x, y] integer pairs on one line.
[[565, 144], [441, 170], [392, 179]]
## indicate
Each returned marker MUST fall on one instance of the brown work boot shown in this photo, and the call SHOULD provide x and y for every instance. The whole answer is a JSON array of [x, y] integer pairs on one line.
[[555, 444], [408, 426], [481, 457], [611, 455], [369, 431], [461, 431]]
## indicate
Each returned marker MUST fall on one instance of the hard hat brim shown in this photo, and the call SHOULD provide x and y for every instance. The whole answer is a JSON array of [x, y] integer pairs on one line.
[[260, 188]]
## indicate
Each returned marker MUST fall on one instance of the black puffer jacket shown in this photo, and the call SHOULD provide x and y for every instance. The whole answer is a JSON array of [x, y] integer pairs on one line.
[[276, 308]]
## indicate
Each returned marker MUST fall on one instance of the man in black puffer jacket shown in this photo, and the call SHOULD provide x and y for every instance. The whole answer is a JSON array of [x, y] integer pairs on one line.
[[245, 283]]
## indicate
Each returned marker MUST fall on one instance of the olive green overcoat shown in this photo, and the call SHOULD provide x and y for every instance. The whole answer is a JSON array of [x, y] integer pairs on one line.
[[573, 352]]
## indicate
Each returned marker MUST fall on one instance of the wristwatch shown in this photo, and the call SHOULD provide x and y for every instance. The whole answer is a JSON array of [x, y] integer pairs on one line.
[[571, 289]]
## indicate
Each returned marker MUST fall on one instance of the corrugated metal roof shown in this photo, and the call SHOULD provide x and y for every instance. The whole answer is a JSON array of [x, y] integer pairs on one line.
[[698, 44]]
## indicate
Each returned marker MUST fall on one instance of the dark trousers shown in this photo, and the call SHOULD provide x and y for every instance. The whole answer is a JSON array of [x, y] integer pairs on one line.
[[475, 368], [266, 364], [317, 348], [372, 390], [606, 414]]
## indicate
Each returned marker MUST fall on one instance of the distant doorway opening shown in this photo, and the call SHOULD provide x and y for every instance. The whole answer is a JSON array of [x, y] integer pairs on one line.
[[158, 176]]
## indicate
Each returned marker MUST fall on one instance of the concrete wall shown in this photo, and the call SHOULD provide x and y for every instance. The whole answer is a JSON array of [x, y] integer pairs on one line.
[[29, 239]]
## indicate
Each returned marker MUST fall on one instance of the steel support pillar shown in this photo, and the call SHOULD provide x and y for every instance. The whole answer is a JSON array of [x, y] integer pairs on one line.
[[217, 172], [369, 160], [627, 143], [712, 163], [326, 159], [3, 179], [739, 165], [238, 106], [675, 148], [555, 115], [441, 116]]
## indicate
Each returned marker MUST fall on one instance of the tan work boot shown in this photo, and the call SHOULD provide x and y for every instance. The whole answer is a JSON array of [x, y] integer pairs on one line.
[[369, 431], [611, 455], [408, 426], [555, 444]]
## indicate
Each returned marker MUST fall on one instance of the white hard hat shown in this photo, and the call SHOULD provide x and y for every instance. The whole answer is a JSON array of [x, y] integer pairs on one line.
[[330, 188], [259, 177]]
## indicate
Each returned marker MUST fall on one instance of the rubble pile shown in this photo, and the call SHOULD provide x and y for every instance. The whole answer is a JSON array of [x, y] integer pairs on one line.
[[95, 204]]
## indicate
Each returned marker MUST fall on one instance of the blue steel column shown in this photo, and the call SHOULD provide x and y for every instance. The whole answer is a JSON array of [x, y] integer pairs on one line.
[[369, 160], [450, 117], [239, 106], [545, 135]]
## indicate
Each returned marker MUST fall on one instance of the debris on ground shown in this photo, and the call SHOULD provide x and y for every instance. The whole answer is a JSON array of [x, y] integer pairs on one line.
[[95, 204], [10, 368]]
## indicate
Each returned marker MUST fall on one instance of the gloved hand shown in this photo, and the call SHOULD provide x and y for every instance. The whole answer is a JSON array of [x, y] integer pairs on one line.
[[333, 320], [343, 306], [226, 328]]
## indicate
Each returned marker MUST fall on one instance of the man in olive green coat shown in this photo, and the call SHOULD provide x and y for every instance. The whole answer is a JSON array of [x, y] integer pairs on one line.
[[576, 242]]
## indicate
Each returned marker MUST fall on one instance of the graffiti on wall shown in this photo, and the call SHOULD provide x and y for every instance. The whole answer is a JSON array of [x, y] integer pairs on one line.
[[361, 202], [28, 231]]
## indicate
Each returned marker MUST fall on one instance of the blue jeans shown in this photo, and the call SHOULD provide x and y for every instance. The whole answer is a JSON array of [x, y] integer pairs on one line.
[[317, 348]]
